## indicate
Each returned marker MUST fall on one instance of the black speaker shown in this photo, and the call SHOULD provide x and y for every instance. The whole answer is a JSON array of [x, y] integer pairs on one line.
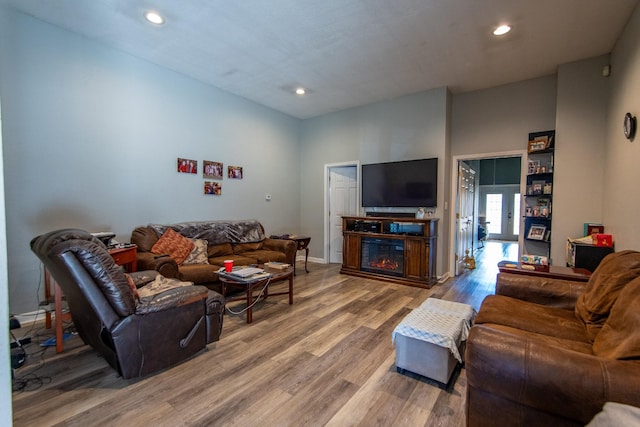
[[18, 357]]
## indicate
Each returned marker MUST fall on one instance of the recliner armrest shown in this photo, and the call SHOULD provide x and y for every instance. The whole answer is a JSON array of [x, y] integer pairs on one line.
[[545, 377], [540, 290], [288, 247]]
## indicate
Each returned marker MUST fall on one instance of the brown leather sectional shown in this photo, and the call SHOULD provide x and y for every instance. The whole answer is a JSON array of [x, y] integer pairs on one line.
[[243, 241], [552, 352]]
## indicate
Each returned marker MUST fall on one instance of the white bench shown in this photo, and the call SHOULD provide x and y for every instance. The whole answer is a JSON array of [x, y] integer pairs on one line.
[[430, 340]]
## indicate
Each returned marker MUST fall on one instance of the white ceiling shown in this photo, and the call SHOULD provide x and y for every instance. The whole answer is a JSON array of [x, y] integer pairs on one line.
[[347, 52]]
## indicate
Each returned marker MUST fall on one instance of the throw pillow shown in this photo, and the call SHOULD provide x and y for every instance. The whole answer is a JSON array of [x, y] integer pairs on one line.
[[199, 253], [220, 250], [174, 244], [133, 287]]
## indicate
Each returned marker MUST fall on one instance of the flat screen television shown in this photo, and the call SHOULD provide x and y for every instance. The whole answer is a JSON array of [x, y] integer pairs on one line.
[[411, 183]]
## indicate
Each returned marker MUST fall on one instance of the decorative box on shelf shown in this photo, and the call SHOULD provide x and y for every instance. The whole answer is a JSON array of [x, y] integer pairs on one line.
[[600, 239]]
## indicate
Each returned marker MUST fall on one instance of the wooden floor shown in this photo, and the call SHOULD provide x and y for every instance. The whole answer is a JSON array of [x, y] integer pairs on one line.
[[325, 360]]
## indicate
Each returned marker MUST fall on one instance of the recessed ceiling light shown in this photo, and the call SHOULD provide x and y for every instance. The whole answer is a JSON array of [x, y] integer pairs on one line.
[[300, 91], [501, 30], [154, 17]]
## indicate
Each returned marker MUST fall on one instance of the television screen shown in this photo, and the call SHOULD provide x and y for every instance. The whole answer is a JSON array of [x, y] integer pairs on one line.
[[411, 183]]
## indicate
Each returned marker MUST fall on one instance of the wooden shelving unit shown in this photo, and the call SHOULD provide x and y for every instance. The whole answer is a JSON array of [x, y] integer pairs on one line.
[[538, 198]]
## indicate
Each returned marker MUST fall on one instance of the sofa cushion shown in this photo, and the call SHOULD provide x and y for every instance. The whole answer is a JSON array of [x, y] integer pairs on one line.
[[531, 317], [237, 260], [613, 273], [198, 254], [144, 238], [176, 246], [584, 347], [199, 273], [239, 248], [219, 250], [619, 337], [263, 255]]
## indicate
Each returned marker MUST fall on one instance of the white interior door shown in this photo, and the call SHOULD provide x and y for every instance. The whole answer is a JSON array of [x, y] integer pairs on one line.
[[465, 207], [343, 192]]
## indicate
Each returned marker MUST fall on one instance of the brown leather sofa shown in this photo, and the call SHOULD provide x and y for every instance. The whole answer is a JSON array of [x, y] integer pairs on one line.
[[242, 241], [552, 352], [135, 336]]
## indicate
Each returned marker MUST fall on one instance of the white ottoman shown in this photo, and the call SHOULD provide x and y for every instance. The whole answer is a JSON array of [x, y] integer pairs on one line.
[[430, 340]]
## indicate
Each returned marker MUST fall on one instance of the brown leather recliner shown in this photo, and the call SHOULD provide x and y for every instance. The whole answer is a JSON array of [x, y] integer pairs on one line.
[[135, 337], [552, 352]]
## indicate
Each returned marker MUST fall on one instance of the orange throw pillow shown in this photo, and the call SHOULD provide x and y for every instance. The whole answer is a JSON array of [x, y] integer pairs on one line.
[[174, 244]]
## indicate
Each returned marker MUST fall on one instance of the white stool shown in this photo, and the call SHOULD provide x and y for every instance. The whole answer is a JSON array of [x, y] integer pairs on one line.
[[430, 340]]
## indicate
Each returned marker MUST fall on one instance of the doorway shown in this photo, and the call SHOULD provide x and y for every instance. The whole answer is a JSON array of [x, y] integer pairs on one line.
[[500, 204], [342, 198], [497, 202]]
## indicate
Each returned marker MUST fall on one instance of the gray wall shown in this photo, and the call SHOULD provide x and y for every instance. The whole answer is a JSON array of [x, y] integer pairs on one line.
[[410, 127], [91, 137], [580, 134], [621, 161], [500, 119]]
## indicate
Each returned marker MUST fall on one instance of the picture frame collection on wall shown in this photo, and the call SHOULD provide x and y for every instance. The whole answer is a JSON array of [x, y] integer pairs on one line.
[[210, 171]]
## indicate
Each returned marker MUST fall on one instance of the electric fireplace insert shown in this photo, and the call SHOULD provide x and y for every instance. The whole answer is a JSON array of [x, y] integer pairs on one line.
[[384, 256]]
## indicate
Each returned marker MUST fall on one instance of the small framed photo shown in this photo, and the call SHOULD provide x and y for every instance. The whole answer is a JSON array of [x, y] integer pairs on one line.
[[187, 165], [234, 172], [537, 232], [533, 166], [211, 170], [212, 188]]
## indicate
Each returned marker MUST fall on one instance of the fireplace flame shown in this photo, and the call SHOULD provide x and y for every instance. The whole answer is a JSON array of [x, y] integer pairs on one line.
[[385, 263]]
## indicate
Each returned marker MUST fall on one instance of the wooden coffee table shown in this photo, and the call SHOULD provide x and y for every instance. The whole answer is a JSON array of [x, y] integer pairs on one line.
[[277, 276]]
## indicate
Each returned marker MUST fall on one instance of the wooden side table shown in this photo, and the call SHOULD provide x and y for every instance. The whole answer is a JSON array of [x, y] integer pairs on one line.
[[125, 257], [302, 243], [550, 271]]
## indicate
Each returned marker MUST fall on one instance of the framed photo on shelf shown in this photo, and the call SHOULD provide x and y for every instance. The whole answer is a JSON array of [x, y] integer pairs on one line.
[[537, 187], [537, 232]]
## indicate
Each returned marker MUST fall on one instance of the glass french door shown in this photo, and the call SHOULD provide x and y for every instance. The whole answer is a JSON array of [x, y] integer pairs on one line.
[[502, 212]]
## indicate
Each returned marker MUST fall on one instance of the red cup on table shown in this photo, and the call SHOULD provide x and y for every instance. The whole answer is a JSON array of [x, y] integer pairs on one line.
[[228, 265]]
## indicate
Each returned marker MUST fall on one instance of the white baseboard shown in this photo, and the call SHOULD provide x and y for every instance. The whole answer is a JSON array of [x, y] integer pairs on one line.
[[27, 319], [446, 276], [311, 259]]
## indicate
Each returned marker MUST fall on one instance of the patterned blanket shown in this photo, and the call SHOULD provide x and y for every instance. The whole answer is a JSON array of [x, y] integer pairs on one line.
[[444, 323]]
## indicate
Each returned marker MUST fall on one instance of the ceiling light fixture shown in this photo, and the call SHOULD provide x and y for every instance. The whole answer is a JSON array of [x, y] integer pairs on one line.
[[300, 91], [154, 17], [501, 30]]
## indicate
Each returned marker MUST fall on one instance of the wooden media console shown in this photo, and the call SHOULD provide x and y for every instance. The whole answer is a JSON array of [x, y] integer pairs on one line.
[[399, 250]]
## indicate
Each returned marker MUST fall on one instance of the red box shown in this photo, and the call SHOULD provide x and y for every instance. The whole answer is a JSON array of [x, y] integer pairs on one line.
[[600, 239]]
